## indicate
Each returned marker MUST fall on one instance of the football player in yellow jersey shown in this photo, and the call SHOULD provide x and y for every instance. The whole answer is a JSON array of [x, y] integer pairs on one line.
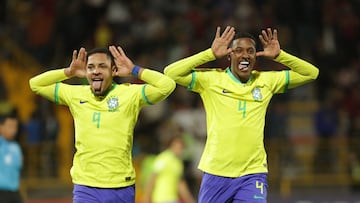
[[104, 114], [167, 183], [235, 99]]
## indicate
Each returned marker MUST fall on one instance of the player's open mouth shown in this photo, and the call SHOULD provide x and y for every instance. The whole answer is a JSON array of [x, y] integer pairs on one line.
[[96, 84], [244, 65]]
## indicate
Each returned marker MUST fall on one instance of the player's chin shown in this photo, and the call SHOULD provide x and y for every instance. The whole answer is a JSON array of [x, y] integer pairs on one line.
[[244, 73]]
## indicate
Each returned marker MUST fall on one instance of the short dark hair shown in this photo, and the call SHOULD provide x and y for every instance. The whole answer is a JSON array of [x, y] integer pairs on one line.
[[101, 50], [12, 114], [242, 34]]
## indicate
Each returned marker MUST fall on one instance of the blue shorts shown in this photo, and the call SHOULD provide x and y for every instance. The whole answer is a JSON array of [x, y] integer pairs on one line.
[[245, 189], [85, 194]]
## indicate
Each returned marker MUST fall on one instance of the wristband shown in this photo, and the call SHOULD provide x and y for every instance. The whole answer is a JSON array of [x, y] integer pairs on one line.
[[135, 71]]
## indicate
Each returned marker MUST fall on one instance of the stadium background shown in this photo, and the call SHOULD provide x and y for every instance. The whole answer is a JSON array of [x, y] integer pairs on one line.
[[312, 133]]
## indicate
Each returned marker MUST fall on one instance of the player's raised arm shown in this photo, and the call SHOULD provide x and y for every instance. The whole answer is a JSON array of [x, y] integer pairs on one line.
[[44, 83], [159, 86], [301, 72], [181, 70]]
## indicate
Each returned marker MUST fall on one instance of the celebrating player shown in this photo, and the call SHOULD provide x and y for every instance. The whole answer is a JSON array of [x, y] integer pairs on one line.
[[104, 116], [235, 100]]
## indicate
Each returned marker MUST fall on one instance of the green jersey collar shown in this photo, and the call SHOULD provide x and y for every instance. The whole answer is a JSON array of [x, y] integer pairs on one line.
[[232, 76], [102, 97]]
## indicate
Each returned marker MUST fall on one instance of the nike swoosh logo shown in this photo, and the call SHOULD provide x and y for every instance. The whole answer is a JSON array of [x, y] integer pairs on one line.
[[258, 197], [83, 102], [225, 91]]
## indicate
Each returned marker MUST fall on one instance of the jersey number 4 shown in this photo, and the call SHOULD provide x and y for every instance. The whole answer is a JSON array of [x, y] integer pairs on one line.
[[96, 119], [242, 107]]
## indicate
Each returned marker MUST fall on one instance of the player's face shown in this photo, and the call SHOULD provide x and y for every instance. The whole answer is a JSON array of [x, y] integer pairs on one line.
[[99, 73], [178, 147], [243, 58], [9, 128]]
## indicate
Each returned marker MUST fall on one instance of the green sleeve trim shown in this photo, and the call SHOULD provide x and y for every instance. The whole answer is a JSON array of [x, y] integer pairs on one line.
[[287, 79], [144, 95], [56, 93], [192, 83]]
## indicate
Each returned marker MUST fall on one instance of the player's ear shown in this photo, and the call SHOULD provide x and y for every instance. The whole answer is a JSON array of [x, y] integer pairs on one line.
[[114, 70]]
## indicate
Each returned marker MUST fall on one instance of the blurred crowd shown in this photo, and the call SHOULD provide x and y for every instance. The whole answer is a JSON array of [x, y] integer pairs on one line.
[[155, 33]]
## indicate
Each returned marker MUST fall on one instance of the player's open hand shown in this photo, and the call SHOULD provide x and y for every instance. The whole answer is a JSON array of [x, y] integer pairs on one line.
[[270, 43], [77, 66], [123, 64], [220, 45]]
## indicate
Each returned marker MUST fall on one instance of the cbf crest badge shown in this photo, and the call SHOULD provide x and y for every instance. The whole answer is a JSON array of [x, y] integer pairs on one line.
[[113, 103], [256, 92]]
